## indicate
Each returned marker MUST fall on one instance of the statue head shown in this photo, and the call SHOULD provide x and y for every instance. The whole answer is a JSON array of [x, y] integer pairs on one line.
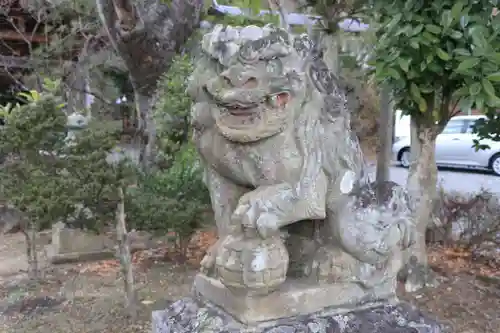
[[257, 84]]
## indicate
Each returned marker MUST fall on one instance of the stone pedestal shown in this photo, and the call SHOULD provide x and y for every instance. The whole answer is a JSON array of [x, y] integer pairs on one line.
[[190, 316], [293, 298]]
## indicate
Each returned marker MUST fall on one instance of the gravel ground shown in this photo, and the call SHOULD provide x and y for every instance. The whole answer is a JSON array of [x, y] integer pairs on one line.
[[88, 298]]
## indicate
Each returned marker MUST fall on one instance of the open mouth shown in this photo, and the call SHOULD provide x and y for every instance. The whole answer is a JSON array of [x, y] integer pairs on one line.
[[239, 111]]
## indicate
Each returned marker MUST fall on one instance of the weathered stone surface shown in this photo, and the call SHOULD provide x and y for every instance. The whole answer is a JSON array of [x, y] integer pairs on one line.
[[69, 245], [187, 316], [69, 240], [73, 245], [297, 219], [291, 299]]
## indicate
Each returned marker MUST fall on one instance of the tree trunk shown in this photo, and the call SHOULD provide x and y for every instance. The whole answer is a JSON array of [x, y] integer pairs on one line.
[[422, 188], [31, 253], [146, 130], [148, 34], [385, 139], [125, 257]]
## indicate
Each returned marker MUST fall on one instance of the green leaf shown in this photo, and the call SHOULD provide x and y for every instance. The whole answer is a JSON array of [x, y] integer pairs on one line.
[[415, 92], [411, 74], [404, 63], [495, 77], [414, 43], [443, 55], [430, 37], [479, 103], [433, 28], [380, 72], [467, 64], [418, 29], [395, 20], [463, 91], [422, 105], [435, 68], [488, 87], [406, 30], [477, 33], [456, 34], [456, 10], [495, 57], [446, 19], [489, 67], [493, 101], [475, 88], [393, 73], [462, 52]]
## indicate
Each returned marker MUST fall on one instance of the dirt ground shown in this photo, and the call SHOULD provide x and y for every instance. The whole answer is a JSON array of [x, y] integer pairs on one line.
[[88, 298]]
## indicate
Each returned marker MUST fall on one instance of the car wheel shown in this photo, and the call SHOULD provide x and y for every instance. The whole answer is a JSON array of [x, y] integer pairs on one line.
[[405, 158], [495, 164]]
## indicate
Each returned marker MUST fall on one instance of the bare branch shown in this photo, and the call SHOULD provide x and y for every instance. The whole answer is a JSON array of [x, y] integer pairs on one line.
[[282, 13]]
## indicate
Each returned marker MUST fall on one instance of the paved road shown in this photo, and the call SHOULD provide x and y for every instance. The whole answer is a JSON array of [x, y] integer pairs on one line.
[[465, 181]]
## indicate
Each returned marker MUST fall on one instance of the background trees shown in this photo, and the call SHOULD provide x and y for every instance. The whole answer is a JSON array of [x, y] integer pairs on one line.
[[438, 58], [147, 35]]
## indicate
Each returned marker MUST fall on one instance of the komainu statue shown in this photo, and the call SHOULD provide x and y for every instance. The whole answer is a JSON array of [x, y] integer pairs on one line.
[[300, 228]]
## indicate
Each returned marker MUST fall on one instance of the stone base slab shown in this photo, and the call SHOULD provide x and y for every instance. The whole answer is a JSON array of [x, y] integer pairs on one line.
[[65, 258], [190, 316], [291, 299]]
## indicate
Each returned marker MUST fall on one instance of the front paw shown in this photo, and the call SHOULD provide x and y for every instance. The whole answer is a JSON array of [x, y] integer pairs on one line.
[[255, 213]]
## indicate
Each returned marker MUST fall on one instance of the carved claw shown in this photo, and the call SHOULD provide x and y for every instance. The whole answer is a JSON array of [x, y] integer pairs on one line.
[[253, 215]]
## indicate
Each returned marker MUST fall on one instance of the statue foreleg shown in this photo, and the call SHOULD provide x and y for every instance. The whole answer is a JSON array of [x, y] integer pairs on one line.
[[224, 195], [269, 208]]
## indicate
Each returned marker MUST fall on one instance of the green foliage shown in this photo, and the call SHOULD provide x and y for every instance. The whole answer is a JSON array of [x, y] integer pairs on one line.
[[242, 21], [95, 181], [335, 11], [487, 129], [48, 176], [172, 110], [174, 199], [34, 133], [438, 55], [251, 8]]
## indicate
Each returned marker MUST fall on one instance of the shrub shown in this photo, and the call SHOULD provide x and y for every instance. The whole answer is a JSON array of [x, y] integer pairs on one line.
[[172, 110], [50, 176], [172, 200], [466, 220]]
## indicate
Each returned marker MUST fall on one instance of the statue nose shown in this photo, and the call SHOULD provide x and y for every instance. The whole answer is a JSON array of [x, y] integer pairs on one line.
[[236, 77]]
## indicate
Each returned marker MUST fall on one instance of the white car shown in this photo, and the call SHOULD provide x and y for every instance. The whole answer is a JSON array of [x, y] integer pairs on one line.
[[454, 147]]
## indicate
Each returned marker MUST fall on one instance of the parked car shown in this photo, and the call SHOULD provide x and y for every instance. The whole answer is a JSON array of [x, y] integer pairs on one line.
[[455, 147]]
